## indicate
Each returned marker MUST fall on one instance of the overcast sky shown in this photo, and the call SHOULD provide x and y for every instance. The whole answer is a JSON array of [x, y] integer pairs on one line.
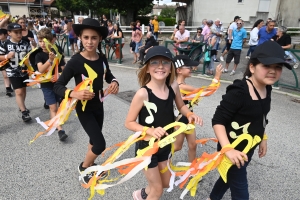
[[163, 2]]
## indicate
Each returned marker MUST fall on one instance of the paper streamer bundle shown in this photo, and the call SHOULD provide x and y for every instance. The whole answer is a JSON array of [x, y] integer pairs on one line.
[[67, 105], [37, 77], [127, 168]]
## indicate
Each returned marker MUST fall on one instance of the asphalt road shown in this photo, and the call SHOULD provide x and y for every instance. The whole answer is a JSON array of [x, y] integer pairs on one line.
[[47, 169]]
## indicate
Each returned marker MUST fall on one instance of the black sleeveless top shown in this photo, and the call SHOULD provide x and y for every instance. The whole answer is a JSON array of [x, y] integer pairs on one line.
[[164, 114]]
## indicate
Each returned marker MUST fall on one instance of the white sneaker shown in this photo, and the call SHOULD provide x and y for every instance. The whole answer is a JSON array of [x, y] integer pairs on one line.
[[222, 58], [224, 70], [296, 65], [232, 73], [247, 57]]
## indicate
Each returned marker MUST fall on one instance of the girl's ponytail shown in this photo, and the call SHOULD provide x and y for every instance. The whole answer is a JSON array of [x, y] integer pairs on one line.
[[254, 62]]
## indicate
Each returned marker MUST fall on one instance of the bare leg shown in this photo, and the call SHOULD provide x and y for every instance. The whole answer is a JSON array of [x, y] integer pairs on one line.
[[6, 79], [89, 159], [235, 66], [53, 110], [20, 97], [191, 139], [227, 65], [179, 142]]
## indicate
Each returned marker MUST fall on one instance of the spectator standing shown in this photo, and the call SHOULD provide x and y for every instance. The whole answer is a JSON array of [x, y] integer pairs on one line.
[[138, 24], [136, 37], [233, 26], [118, 34], [254, 36], [217, 30], [182, 36], [27, 35], [239, 36], [108, 41], [150, 27], [156, 27], [104, 21], [206, 29], [267, 32]]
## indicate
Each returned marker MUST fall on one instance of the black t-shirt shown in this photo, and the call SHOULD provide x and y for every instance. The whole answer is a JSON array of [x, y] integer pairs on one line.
[[237, 106], [75, 68], [42, 57], [284, 40], [29, 35], [21, 49]]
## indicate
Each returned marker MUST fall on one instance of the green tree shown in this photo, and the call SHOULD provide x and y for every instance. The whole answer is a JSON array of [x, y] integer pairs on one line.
[[168, 12]]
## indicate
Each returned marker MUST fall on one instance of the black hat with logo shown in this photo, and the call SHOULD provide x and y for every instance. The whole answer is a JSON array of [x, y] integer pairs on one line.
[[269, 53], [158, 51], [13, 26], [184, 60]]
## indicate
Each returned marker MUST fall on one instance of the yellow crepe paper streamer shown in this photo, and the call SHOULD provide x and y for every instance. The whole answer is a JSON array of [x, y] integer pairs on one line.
[[66, 106]]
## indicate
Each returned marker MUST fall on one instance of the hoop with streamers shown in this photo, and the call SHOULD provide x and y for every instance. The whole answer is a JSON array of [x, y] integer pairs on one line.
[[37, 77], [129, 167]]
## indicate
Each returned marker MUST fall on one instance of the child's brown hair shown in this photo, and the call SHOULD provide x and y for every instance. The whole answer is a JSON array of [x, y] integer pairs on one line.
[[45, 33]]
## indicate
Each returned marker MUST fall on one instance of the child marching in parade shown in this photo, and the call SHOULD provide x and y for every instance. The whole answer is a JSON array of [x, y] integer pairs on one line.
[[44, 61], [89, 64], [184, 66], [15, 49], [241, 118], [152, 105]]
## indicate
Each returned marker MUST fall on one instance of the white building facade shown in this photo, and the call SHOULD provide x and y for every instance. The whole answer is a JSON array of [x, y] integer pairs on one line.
[[286, 12]]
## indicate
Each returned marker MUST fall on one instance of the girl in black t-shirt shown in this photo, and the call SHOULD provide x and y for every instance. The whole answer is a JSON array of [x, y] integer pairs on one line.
[[91, 118], [159, 90], [243, 112]]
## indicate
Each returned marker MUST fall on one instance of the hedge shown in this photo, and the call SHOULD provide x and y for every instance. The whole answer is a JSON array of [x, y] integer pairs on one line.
[[168, 21]]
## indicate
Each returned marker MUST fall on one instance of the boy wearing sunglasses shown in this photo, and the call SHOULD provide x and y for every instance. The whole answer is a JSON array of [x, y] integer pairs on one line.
[[239, 37]]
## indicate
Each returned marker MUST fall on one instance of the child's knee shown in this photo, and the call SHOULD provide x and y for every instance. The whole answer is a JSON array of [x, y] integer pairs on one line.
[[192, 146], [156, 191]]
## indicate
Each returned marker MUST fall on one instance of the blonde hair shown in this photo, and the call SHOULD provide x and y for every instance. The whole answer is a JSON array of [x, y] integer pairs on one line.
[[45, 33], [144, 77]]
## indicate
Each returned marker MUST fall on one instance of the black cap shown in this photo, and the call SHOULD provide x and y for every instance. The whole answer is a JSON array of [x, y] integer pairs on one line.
[[14, 26], [269, 53], [184, 60], [236, 17], [158, 51], [3, 31]]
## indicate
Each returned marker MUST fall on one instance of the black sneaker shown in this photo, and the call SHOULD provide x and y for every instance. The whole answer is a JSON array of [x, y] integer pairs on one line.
[[62, 135], [88, 177], [25, 116], [46, 106], [8, 94], [9, 90], [216, 60]]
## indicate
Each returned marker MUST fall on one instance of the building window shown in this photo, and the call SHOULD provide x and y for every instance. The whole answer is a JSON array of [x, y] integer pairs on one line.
[[240, 1]]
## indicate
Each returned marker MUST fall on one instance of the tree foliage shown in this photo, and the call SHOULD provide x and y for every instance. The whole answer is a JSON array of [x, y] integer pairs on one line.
[[168, 12]]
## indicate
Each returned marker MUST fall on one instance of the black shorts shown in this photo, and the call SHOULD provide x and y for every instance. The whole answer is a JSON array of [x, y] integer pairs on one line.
[[161, 155], [18, 82], [228, 45], [234, 53]]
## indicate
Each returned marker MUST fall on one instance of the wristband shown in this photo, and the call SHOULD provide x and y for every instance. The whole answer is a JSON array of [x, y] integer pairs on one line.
[[265, 137], [50, 61], [226, 146], [215, 80], [115, 80], [69, 95], [5, 56], [189, 114]]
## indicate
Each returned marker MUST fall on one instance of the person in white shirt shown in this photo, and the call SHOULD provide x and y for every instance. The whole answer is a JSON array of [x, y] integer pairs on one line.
[[181, 36], [253, 41]]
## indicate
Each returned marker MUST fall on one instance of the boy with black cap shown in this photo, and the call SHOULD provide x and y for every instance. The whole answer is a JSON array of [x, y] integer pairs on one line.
[[15, 49], [3, 39], [184, 65]]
